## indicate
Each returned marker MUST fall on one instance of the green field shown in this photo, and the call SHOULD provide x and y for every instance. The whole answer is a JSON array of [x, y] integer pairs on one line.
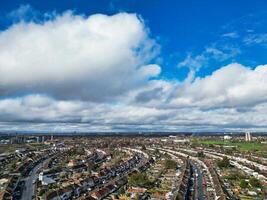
[[10, 148], [242, 146]]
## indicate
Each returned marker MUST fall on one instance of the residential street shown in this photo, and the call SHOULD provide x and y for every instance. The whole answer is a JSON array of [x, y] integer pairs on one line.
[[199, 187], [28, 190]]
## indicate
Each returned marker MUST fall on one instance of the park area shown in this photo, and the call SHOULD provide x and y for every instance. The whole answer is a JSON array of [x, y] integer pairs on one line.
[[241, 146]]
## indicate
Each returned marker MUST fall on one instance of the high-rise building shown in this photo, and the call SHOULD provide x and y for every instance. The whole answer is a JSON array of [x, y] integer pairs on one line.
[[248, 136]]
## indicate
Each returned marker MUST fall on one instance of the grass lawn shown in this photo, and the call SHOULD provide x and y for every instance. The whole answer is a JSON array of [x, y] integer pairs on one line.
[[10, 148], [242, 146]]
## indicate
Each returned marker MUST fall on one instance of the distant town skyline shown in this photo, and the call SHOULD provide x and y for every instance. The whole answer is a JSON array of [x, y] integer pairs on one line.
[[123, 65]]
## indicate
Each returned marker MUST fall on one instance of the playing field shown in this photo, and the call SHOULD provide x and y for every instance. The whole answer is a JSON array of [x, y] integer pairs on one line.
[[242, 146]]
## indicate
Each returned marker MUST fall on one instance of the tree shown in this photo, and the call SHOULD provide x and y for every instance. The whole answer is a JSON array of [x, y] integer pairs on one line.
[[167, 156], [63, 175], [13, 166], [170, 164], [243, 184], [224, 163], [254, 182], [92, 166], [229, 151], [42, 192], [200, 154], [124, 197], [157, 152], [139, 180]]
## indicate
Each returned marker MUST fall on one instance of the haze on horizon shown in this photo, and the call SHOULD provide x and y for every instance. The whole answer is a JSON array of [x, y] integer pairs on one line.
[[133, 65]]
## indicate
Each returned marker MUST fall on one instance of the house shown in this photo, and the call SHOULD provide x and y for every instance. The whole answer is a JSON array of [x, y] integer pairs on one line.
[[159, 195], [103, 192], [72, 163], [133, 191], [47, 178], [252, 193], [47, 181], [100, 193], [5, 195], [87, 184], [61, 194]]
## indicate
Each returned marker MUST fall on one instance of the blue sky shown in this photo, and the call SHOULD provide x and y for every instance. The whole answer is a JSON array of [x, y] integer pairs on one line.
[[180, 49], [181, 27]]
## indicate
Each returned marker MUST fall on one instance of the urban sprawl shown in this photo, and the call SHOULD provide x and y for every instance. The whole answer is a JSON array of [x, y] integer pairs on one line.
[[181, 167]]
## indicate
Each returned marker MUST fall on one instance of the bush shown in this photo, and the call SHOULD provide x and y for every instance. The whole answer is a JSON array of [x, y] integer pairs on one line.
[[157, 152], [224, 163], [170, 164], [254, 182], [139, 180], [200, 154], [243, 184], [167, 156]]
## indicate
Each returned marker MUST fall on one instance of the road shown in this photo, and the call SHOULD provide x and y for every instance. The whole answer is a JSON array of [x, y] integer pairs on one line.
[[28, 190], [199, 181]]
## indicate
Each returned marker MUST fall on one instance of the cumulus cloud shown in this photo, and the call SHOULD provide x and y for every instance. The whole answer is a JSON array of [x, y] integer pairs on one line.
[[55, 115], [231, 98], [39, 108], [77, 73], [233, 85], [72, 56]]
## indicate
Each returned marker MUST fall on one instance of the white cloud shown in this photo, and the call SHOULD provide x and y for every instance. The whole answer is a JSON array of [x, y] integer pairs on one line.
[[256, 39], [232, 98], [24, 12], [195, 63], [72, 56], [231, 86], [230, 35], [94, 73], [221, 55], [54, 115]]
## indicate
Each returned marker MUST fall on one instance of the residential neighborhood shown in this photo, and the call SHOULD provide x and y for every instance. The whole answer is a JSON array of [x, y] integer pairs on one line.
[[62, 168]]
